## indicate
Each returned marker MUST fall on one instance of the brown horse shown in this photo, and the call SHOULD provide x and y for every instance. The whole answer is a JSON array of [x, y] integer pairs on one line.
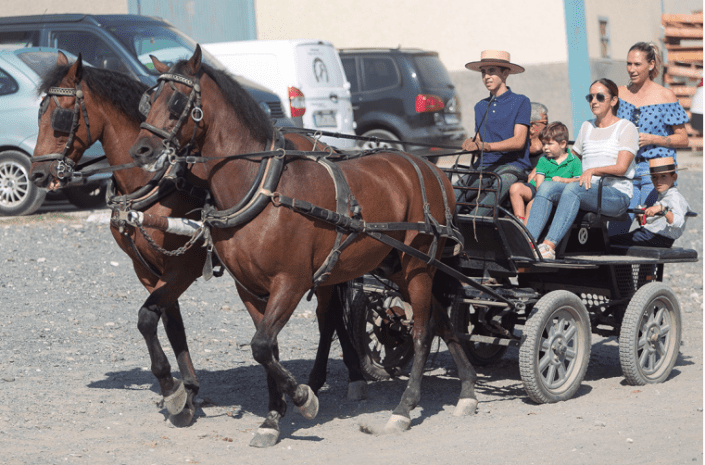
[[110, 103], [278, 251]]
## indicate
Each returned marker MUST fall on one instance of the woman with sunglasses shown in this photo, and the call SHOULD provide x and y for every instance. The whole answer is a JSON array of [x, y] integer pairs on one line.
[[607, 145], [658, 116]]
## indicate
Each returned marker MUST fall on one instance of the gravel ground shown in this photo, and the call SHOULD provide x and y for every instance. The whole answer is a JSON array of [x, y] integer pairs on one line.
[[76, 387]]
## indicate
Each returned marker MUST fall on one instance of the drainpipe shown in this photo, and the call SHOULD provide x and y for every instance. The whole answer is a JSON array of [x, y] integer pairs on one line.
[[579, 74]]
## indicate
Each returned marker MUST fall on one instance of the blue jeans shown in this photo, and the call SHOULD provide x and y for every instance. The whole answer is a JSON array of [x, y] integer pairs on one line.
[[550, 193], [644, 194], [573, 197]]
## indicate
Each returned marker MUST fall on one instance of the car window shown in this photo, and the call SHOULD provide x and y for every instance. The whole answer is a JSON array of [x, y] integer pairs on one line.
[[351, 73], [432, 73], [91, 47], [379, 73], [7, 84], [41, 61], [167, 44], [11, 40]]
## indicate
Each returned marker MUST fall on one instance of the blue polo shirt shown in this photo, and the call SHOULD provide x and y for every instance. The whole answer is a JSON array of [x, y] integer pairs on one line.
[[506, 111]]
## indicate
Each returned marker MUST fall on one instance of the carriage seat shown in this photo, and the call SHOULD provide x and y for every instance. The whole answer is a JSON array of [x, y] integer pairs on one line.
[[658, 253]]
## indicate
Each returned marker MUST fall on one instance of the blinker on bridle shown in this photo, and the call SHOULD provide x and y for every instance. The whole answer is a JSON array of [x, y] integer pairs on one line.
[[64, 120], [179, 105]]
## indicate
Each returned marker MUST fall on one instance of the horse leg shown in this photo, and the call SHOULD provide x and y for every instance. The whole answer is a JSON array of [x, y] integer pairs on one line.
[[174, 327], [330, 319], [467, 403], [175, 394], [419, 290], [279, 309]]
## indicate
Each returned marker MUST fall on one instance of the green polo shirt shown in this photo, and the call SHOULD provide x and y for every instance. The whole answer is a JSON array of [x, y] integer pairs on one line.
[[570, 168]]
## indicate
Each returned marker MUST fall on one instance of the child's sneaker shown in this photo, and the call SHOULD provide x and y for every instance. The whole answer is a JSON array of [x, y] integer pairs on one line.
[[546, 252]]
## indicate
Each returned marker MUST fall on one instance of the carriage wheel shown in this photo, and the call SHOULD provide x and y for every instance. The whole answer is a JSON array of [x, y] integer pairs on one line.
[[555, 349], [381, 333], [479, 353], [650, 335]]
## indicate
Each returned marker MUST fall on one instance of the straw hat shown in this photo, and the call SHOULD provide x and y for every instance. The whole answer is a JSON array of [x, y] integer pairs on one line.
[[496, 58], [663, 165]]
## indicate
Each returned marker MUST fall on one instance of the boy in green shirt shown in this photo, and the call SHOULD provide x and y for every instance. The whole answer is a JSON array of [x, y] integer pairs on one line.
[[557, 165]]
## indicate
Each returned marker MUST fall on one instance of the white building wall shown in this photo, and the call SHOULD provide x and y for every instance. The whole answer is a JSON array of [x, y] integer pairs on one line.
[[49, 7], [458, 30]]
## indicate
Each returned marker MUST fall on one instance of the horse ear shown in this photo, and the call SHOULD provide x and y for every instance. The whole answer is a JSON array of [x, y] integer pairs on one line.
[[194, 63], [61, 59], [75, 71], [158, 65]]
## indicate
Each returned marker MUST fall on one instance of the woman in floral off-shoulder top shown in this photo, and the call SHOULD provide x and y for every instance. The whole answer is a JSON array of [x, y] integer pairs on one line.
[[658, 116]]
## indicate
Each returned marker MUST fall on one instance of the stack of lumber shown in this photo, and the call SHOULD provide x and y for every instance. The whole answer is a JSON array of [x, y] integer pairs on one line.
[[683, 70]]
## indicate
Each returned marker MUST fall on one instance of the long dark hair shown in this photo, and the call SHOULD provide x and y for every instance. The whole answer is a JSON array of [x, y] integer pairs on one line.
[[611, 88], [652, 53]]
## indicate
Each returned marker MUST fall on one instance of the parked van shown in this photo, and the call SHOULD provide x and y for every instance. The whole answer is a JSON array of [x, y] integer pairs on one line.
[[307, 75]]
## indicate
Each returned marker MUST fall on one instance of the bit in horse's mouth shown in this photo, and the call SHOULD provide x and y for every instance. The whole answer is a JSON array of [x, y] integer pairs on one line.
[[157, 164]]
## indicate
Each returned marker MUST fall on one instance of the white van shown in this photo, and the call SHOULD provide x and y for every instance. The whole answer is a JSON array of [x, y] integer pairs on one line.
[[307, 75]]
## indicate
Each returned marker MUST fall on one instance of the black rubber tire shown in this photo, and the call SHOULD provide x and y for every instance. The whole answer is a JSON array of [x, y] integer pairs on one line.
[[479, 354], [91, 196], [650, 336], [383, 352], [18, 195], [381, 134], [555, 348]]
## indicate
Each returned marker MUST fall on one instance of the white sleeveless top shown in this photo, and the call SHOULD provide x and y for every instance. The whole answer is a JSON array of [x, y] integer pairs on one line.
[[600, 147]]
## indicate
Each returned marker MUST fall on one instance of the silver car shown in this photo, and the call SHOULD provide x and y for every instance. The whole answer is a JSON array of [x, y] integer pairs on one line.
[[20, 72]]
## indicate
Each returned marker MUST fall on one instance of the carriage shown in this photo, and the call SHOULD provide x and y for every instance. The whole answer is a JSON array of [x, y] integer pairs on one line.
[[548, 309], [286, 216]]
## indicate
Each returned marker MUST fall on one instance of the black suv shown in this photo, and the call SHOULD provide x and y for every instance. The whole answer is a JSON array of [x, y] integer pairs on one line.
[[403, 94]]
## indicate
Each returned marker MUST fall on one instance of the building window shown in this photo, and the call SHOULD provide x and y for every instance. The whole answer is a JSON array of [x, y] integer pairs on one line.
[[605, 49]]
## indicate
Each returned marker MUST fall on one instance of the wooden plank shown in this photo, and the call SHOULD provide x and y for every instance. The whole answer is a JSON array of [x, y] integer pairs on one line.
[[686, 57], [696, 18], [685, 102], [683, 90], [684, 32], [686, 48], [682, 71]]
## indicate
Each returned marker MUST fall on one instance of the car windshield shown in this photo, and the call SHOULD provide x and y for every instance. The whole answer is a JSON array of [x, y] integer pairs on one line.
[[432, 73], [167, 44], [41, 61]]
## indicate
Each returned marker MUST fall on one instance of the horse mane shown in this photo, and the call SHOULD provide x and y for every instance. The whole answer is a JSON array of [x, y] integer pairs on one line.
[[123, 92], [249, 111]]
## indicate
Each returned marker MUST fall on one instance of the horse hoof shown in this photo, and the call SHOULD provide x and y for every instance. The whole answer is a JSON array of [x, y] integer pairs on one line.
[[465, 407], [309, 409], [182, 419], [176, 401], [265, 437], [357, 390], [397, 424]]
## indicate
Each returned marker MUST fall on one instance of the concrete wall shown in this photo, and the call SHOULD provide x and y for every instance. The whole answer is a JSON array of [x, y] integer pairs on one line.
[[40, 7]]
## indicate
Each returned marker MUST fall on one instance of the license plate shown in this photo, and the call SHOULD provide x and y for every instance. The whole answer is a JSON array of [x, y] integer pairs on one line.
[[325, 119]]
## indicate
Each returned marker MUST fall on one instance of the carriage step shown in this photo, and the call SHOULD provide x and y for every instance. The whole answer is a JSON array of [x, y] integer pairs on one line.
[[498, 341]]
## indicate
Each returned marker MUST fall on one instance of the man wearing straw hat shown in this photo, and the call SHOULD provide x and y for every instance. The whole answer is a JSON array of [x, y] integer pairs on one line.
[[502, 123], [664, 221]]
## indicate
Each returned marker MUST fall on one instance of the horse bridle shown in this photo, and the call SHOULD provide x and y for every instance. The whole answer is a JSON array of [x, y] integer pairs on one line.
[[64, 120], [179, 105]]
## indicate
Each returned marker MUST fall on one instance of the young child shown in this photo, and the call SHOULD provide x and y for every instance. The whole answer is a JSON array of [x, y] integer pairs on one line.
[[665, 219], [557, 165]]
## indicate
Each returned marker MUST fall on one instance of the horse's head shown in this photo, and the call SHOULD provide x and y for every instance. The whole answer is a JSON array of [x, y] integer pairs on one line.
[[173, 112], [64, 132]]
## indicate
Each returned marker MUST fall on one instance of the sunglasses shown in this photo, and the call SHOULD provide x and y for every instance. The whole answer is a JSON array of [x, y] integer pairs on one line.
[[600, 97]]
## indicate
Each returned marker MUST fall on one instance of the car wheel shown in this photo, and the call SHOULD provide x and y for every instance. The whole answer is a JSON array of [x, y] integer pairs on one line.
[[90, 196], [380, 134], [18, 195]]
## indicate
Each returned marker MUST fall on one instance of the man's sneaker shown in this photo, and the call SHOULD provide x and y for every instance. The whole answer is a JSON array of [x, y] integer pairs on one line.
[[546, 252]]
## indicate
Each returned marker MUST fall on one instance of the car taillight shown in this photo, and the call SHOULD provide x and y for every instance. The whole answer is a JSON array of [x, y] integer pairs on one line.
[[428, 103], [298, 102]]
